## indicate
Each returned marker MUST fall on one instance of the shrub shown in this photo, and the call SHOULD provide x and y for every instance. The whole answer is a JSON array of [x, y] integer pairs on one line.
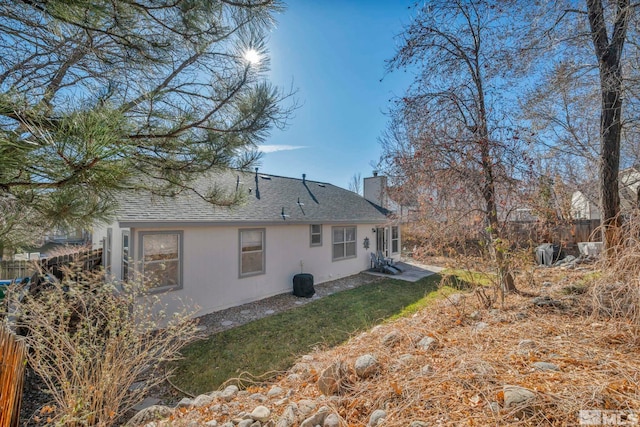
[[90, 341]]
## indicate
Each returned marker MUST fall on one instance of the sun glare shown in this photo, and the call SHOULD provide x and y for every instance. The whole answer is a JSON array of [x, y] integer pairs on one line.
[[252, 56]]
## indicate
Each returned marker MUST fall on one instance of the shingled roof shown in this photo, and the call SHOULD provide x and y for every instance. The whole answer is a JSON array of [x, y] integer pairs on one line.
[[266, 199]]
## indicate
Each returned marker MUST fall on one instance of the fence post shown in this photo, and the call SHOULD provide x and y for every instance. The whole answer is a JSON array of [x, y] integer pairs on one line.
[[12, 364]]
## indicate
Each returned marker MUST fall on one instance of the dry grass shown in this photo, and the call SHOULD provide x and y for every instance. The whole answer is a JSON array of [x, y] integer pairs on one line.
[[598, 361]]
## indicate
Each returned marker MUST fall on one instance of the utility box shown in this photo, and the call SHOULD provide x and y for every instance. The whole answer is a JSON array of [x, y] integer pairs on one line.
[[303, 285]]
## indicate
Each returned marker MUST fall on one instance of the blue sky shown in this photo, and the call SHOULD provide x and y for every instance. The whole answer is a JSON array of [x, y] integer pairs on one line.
[[333, 53]]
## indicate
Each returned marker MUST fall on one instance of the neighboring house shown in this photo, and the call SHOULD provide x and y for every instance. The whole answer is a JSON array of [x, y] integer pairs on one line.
[[218, 257], [585, 204]]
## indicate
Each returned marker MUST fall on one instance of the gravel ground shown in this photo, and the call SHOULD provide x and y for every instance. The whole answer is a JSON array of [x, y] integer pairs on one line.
[[236, 316]]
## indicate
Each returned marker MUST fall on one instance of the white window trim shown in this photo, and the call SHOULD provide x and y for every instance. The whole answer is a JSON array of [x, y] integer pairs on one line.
[[396, 239], [126, 261], [344, 243], [264, 251], [311, 234], [180, 234]]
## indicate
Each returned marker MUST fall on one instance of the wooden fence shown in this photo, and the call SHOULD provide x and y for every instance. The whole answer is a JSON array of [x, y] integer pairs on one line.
[[83, 260], [527, 233], [12, 364]]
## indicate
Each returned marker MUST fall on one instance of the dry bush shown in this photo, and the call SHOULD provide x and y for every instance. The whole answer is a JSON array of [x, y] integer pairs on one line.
[[616, 291], [98, 346]]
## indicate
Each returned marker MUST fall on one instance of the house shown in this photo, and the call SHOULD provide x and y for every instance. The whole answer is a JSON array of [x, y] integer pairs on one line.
[[585, 203], [223, 256]]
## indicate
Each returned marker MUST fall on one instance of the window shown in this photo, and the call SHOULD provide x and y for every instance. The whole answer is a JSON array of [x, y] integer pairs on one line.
[[344, 242], [108, 247], [395, 240], [125, 255], [316, 234], [161, 256], [251, 252]]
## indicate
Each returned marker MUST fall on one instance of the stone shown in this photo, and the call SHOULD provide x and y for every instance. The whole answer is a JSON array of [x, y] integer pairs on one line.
[[269, 312], [260, 413], [377, 417], [419, 424], [527, 344], [406, 358], [228, 424], [480, 326], [202, 400], [547, 284], [146, 402], [475, 315], [545, 366], [331, 378], [288, 417], [306, 407], [332, 420], [245, 423], [229, 392], [212, 423], [316, 419], [391, 339], [545, 301], [516, 395], [275, 391], [259, 397], [366, 366], [427, 343], [293, 377], [185, 403], [226, 323], [426, 370], [151, 413], [215, 394], [456, 299]]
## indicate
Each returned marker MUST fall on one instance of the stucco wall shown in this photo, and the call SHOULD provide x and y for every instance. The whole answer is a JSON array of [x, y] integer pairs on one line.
[[211, 263]]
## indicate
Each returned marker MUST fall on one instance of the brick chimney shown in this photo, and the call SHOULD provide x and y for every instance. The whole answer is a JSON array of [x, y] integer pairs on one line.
[[375, 190]]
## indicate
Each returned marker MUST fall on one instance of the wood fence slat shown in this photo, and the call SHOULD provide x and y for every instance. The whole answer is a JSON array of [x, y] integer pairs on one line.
[[12, 364]]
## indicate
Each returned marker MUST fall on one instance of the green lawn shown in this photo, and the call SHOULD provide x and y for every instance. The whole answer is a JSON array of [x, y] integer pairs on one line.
[[273, 343]]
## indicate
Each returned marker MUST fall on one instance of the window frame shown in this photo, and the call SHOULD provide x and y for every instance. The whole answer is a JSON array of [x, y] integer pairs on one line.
[[311, 234], [344, 242], [125, 268], [395, 241], [263, 232], [180, 234], [108, 248]]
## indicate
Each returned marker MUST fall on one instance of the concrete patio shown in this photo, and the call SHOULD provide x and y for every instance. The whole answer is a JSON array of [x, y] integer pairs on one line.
[[412, 271]]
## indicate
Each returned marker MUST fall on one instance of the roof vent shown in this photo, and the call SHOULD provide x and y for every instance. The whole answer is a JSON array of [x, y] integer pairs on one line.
[[265, 177], [304, 177], [321, 185]]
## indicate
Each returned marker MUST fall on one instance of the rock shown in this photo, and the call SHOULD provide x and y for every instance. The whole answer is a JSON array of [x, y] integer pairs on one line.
[[377, 417], [332, 420], [495, 407], [293, 377], [185, 403], [215, 394], [391, 339], [259, 397], [366, 366], [426, 370], [275, 391], [331, 378], [545, 366], [406, 358], [473, 316], [521, 315], [202, 400], [288, 417], [547, 284], [480, 326], [245, 423], [212, 423], [154, 412], [483, 368], [226, 323], [229, 392], [456, 299], [545, 301], [227, 424], [419, 424], [427, 343], [317, 418], [306, 407], [260, 413], [527, 344], [516, 395]]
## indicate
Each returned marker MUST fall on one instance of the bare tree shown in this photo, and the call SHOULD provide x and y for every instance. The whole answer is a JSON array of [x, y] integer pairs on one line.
[[355, 183], [453, 128]]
